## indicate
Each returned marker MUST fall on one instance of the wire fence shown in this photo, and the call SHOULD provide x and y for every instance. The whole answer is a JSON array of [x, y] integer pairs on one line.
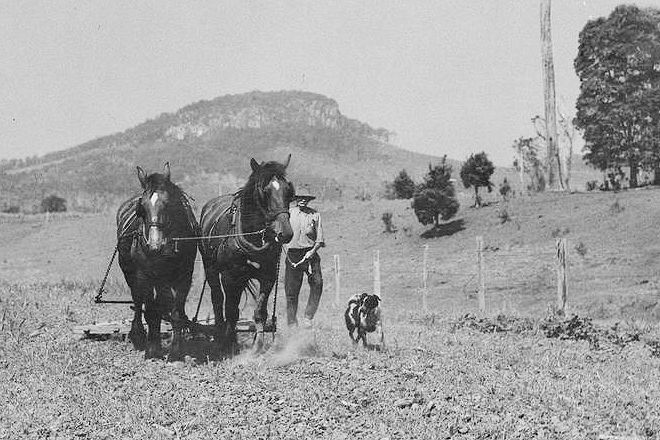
[[482, 279], [487, 279]]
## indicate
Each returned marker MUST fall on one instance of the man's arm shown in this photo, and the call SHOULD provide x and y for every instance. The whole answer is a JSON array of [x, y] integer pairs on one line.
[[320, 241]]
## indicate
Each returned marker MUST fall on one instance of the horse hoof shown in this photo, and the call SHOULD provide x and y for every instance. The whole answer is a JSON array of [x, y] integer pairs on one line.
[[138, 339], [153, 353], [175, 357], [259, 345]]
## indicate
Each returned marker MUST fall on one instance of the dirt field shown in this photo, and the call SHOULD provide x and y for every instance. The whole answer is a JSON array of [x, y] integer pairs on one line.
[[448, 372]]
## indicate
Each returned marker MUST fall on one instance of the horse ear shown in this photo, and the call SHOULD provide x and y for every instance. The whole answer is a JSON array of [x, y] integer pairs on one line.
[[254, 165], [142, 176], [166, 170], [288, 159]]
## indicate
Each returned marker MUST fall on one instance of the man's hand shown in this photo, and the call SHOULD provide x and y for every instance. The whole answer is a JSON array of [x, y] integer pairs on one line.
[[309, 255]]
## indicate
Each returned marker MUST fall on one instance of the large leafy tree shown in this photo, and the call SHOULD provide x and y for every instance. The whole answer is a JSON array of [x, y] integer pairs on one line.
[[435, 198], [618, 108], [476, 172]]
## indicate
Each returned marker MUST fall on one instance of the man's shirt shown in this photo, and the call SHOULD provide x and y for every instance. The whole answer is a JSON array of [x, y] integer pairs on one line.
[[307, 229]]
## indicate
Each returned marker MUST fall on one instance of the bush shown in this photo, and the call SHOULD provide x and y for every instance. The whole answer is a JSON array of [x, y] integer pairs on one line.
[[436, 197], [503, 215], [592, 185], [387, 220], [581, 249], [11, 209], [403, 186], [431, 204], [53, 204], [616, 207], [505, 189], [476, 172]]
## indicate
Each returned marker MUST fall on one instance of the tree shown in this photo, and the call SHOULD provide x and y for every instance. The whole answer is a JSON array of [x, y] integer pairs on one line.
[[476, 172], [404, 186], [565, 142], [436, 197], [618, 64], [532, 165], [553, 164]]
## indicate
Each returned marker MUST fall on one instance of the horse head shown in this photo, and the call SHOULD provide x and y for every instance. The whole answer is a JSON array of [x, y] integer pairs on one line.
[[153, 206], [273, 193]]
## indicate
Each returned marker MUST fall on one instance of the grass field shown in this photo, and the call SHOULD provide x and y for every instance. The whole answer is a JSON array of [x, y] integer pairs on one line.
[[448, 371]]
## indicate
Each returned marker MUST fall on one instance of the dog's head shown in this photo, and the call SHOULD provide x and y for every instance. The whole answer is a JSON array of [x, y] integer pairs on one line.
[[370, 301]]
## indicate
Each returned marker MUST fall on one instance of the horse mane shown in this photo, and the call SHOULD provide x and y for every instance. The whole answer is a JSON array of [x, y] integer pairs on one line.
[[157, 181], [181, 199], [258, 178]]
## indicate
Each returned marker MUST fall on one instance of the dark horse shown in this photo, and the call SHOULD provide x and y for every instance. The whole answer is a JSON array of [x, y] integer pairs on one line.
[[157, 268], [242, 236]]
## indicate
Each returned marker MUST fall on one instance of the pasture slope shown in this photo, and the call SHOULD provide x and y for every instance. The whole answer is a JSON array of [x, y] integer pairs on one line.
[[448, 372]]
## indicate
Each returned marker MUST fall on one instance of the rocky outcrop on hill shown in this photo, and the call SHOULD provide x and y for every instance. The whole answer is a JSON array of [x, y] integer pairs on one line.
[[257, 110]]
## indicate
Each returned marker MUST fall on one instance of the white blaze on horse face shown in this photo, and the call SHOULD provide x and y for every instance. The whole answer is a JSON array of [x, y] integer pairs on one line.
[[275, 184], [154, 198]]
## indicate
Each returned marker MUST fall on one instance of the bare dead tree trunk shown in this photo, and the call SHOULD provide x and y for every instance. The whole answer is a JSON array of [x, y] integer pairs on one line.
[[568, 131], [554, 164]]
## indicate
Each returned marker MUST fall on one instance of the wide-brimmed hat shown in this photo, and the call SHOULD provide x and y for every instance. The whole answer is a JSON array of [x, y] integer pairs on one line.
[[307, 197]]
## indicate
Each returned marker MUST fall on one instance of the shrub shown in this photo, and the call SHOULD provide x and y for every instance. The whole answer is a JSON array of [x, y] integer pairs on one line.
[[592, 185], [581, 249], [431, 204], [436, 197], [558, 233], [505, 189], [616, 207], [11, 209], [503, 215], [403, 186], [476, 172], [53, 203], [387, 220]]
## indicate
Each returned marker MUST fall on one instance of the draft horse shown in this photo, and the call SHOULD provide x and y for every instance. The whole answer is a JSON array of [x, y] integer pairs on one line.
[[241, 238], [157, 268]]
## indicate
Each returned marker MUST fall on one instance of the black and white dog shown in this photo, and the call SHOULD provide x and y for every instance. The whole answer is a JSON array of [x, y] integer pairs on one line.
[[363, 315]]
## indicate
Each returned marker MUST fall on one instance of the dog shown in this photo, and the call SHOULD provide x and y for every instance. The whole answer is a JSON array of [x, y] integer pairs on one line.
[[363, 315]]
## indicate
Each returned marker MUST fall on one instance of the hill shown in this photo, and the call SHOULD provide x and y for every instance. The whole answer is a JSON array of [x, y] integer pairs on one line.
[[209, 145]]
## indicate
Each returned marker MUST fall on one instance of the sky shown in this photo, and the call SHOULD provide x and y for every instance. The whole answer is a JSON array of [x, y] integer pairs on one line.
[[449, 77]]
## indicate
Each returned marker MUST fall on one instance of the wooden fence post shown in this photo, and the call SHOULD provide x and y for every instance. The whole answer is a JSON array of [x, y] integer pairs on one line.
[[377, 273], [425, 276], [378, 292], [482, 283], [562, 279], [337, 285]]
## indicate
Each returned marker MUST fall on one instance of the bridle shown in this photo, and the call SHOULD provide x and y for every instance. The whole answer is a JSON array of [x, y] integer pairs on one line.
[[147, 224], [269, 216]]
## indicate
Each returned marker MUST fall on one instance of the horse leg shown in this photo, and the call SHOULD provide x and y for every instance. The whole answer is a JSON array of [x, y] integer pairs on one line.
[[218, 300], [179, 318], [232, 291], [139, 293], [261, 312], [153, 316], [137, 335], [261, 308]]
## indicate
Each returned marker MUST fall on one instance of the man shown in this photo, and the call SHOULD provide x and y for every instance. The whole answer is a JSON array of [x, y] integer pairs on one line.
[[302, 258]]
